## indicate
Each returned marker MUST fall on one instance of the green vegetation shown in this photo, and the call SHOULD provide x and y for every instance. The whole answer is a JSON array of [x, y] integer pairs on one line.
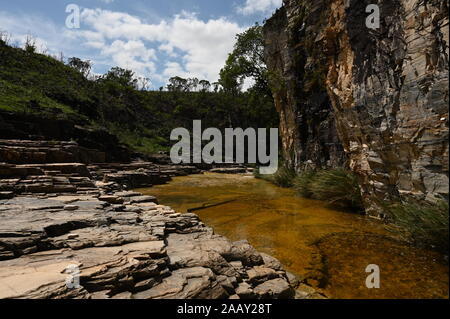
[[119, 101], [284, 177], [422, 223], [425, 224], [247, 61], [338, 187], [303, 183]]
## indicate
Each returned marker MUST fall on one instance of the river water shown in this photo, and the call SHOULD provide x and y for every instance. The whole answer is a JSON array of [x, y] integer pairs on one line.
[[328, 248]]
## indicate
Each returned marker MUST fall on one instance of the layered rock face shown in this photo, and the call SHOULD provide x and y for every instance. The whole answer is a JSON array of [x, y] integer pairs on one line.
[[132, 249], [388, 88], [307, 125], [94, 145], [40, 152]]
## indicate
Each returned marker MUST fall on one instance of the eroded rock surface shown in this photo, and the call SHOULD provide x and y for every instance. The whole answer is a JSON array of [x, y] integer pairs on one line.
[[119, 243]]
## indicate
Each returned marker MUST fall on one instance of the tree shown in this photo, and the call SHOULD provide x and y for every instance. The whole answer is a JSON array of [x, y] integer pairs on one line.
[[144, 83], [246, 61], [5, 38], [178, 84], [30, 44], [122, 77], [84, 67], [205, 85], [216, 86], [193, 84]]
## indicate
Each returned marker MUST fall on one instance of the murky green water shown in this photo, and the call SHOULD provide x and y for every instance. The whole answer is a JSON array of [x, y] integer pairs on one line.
[[330, 248]]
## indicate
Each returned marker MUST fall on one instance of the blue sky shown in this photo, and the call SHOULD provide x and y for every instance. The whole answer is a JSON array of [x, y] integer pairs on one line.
[[156, 39]]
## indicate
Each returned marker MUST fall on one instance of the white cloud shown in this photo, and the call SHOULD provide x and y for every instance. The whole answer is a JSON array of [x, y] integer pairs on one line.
[[183, 45], [23, 26], [107, 1], [132, 55], [204, 46], [174, 69], [259, 6]]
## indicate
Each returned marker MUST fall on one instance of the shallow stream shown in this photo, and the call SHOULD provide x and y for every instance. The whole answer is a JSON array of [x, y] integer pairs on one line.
[[329, 248]]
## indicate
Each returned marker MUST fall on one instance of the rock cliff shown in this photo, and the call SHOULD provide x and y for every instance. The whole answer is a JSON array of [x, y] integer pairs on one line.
[[93, 145], [381, 94]]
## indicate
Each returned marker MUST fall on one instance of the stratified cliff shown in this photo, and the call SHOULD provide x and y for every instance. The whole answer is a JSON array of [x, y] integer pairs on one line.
[[297, 74], [380, 93]]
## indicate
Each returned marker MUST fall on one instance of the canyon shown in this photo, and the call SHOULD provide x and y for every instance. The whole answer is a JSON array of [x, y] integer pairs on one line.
[[374, 101]]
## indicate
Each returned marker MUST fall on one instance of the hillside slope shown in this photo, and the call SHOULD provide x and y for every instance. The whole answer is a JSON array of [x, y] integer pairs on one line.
[[41, 97]]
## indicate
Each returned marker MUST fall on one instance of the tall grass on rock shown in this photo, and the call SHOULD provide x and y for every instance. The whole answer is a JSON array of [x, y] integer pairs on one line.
[[284, 177], [302, 183], [424, 223], [336, 186]]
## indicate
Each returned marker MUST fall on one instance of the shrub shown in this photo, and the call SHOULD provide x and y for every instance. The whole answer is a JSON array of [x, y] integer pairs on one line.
[[284, 177], [337, 186], [425, 224], [302, 183]]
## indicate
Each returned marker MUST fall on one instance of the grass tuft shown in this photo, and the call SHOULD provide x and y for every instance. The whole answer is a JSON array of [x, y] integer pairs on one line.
[[425, 224], [284, 177], [335, 186], [302, 183]]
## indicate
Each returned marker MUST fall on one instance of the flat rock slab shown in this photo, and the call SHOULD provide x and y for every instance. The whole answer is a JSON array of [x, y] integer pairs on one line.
[[28, 276], [112, 199], [128, 194], [71, 207], [143, 199], [64, 168], [275, 289], [187, 283]]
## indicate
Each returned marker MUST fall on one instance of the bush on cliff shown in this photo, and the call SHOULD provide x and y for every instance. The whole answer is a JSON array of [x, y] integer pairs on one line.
[[423, 223]]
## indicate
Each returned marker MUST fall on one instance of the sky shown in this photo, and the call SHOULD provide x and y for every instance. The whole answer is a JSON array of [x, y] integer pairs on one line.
[[157, 39]]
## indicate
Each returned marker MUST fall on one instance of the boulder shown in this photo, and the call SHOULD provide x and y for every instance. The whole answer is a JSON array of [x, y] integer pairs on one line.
[[244, 291], [244, 252], [275, 289], [260, 274]]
